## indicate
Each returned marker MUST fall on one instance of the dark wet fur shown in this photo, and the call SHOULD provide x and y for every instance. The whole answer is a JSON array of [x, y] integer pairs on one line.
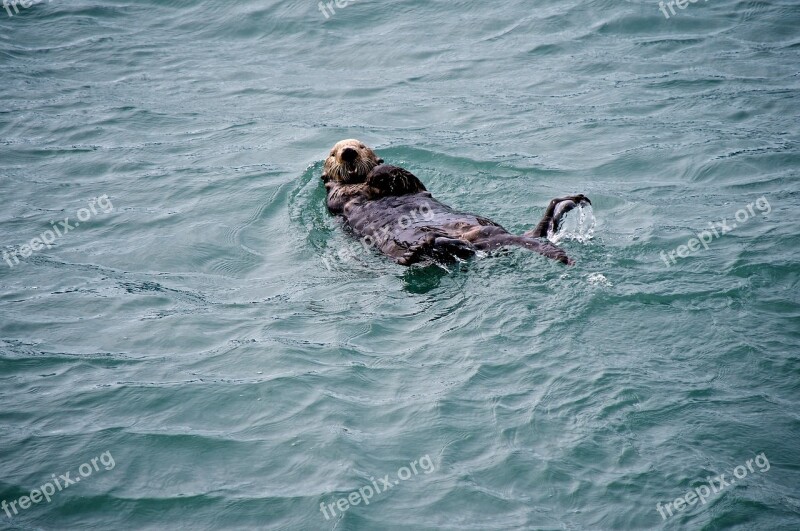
[[393, 212]]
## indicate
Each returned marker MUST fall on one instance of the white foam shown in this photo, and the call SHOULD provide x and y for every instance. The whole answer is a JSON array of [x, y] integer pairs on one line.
[[578, 224], [598, 278]]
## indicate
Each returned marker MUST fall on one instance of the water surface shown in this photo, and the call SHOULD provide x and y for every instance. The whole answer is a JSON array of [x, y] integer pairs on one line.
[[205, 331]]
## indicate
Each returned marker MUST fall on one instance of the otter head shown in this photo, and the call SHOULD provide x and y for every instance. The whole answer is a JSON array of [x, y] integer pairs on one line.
[[349, 162]]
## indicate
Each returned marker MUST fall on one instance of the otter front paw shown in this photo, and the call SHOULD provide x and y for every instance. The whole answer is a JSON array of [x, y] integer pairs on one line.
[[387, 180]]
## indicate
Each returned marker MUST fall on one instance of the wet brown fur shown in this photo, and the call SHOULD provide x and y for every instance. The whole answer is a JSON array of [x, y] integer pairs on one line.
[[378, 202]]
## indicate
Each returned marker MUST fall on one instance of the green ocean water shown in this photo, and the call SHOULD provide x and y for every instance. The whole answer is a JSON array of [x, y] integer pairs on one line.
[[205, 331]]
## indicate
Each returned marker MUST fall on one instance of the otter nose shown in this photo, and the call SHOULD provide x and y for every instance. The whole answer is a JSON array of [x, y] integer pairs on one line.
[[349, 154]]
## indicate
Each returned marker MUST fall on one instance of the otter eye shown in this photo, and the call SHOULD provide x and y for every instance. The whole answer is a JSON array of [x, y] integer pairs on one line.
[[362, 146]]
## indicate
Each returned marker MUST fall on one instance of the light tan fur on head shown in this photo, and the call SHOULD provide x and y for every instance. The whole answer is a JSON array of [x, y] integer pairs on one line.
[[349, 162]]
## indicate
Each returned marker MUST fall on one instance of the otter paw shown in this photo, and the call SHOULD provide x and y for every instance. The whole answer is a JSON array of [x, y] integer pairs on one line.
[[417, 252], [446, 249]]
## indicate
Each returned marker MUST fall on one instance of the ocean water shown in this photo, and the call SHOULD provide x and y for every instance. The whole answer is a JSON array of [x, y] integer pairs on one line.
[[203, 347]]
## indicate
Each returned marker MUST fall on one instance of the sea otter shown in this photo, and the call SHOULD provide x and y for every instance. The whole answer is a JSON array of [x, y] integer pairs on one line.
[[390, 208]]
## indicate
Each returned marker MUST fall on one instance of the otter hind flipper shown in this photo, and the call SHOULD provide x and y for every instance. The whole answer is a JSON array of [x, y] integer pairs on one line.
[[555, 212]]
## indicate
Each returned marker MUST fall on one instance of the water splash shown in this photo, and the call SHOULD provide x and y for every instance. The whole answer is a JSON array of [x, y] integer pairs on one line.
[[598, 278], [577, 224]]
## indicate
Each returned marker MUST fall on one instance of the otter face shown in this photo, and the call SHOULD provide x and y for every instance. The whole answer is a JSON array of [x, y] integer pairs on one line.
[[349, 162]]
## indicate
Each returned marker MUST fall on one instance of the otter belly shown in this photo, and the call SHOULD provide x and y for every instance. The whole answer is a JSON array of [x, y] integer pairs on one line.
[[413, 227]]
